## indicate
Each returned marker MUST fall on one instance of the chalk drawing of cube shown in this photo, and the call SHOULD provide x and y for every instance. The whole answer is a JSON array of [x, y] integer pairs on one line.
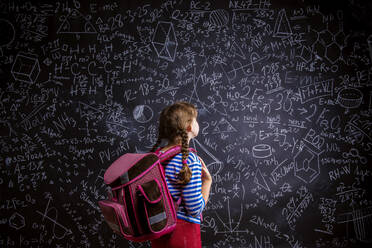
[[26, 68], [165, 41]]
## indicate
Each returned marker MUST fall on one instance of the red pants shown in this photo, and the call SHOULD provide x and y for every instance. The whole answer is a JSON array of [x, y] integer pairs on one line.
[[186, 234]]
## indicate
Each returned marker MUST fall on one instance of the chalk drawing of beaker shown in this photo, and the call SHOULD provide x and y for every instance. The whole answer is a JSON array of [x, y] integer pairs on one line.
[[349, 98]]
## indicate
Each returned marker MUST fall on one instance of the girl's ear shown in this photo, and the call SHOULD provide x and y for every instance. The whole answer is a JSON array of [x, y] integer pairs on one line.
[[188, 129]]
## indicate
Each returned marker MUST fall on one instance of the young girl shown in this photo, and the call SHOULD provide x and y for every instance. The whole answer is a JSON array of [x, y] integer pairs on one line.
[[186, 175]]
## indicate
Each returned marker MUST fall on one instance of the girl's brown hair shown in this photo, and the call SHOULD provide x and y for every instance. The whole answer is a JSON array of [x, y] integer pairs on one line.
[[173, 123]]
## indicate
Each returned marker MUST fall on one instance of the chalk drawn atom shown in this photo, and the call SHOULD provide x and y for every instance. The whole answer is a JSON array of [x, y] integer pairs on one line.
[[143, 113]]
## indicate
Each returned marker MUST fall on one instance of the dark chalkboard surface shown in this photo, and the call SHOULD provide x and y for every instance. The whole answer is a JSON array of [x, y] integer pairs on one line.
[[284, 92]]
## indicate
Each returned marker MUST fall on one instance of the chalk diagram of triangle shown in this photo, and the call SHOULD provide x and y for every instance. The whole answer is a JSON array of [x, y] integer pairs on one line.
[[76, 23], [260, 180], [224, 127], [282, 27], [86, 110], [205, 107], [237, 50], [213, 164]]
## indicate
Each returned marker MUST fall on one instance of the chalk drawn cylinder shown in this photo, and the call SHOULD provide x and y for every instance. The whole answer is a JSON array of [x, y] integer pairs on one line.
[[261, 151], [350, 98]]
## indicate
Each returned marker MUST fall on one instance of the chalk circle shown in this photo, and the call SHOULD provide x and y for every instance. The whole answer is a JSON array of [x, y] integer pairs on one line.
[[7, 32], [350, 98], [261, 151], [143, 113]]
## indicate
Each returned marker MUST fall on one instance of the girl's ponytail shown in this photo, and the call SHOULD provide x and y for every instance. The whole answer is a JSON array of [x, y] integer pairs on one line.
[[173, 121], [185, 173]]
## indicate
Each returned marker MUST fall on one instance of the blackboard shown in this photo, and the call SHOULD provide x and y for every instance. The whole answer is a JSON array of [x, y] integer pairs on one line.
[[283, 90]]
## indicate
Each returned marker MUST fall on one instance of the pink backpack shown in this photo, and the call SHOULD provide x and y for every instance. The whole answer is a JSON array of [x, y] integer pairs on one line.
[[141, 207]]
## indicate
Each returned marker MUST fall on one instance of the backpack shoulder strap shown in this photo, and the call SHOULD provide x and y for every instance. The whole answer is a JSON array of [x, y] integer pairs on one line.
[[163, 156]]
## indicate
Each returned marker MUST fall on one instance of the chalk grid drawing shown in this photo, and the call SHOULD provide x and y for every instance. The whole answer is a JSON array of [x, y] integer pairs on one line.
[[7, 32], [76, 23], [26, 68], [164, 41], [361, 220], [214, 165], [88, 129], [232, 224]]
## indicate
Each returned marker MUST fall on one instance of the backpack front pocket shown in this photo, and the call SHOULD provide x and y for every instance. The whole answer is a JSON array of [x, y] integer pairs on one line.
[[154, 210], [116, 217]]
